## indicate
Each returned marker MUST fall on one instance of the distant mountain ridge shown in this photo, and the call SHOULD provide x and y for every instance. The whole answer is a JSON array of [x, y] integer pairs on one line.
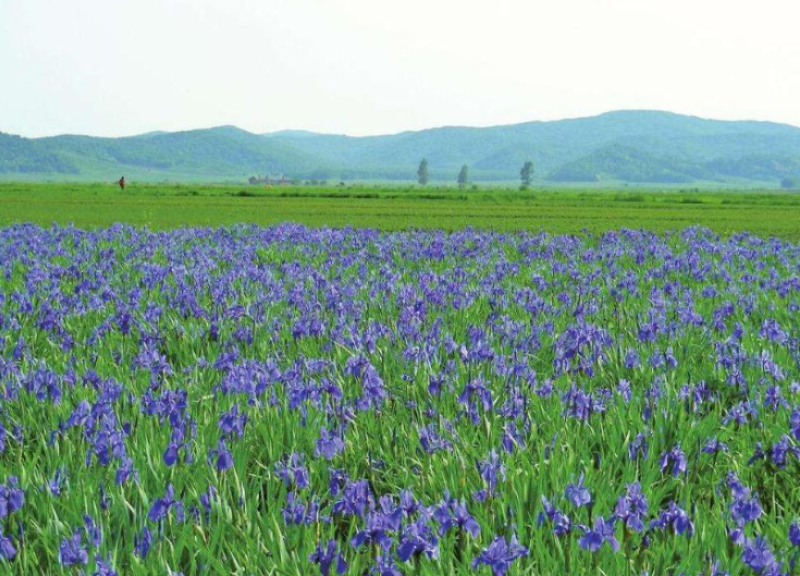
[[624, 146]]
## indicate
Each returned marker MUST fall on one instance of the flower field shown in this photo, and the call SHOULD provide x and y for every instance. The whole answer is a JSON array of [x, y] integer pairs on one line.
[[295, 401]]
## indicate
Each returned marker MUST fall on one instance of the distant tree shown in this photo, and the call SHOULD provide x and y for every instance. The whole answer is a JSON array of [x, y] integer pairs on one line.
[[423, 176], [526, 175], [463, 176], [252, 180], [788, 183]]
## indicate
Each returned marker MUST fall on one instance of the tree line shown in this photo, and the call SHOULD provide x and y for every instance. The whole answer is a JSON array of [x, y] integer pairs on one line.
[[424, 176]]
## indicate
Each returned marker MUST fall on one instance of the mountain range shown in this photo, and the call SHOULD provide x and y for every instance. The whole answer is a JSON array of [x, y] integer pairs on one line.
[[624, 146]]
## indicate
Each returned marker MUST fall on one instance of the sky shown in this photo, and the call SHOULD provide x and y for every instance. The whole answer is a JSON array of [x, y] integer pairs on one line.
[[122, 67]]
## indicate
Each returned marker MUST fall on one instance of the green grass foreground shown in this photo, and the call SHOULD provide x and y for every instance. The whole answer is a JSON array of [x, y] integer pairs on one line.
[[164, 206]]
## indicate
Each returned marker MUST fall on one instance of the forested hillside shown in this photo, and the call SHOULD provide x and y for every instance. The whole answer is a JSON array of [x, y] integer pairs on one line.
[[627, 146]]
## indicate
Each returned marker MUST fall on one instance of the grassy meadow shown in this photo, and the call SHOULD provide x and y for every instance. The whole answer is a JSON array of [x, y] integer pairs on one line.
[[298, 401], [188, 395], [166, 206]]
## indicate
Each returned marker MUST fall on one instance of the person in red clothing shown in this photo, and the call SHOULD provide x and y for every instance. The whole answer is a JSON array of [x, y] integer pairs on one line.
[[121, 183]]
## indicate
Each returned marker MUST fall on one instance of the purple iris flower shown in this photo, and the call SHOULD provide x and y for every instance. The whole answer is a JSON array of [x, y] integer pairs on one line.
[[54, 485], [756, 554], [674, 459], [602, 532], [745, 510], [638, 448], [126, 471], [142, 543], [103, 567], [93, 532], [512, 438], [492, 471], [794, 534], [560, 521], [12, 498], [431, 441], [781, 449], [794, 423], [408, 504], [329, 444], [417, 538], [632, 359], [738, 490], [713, 446], [773, 399], [299, 512], [475, 392], [72, 551], [500, 554], [385, 565], [578, 494], [676, 518], [451, 513], [379, 525], [162, 506], [7, 549], [232, 422], [328, 557], [293, 471], [222, 457], [632, 508], [624, 390], [354, 499]]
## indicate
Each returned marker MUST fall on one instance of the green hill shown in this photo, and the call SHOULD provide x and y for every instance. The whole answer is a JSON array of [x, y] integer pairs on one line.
[[617, 162], [225, 153], [625, 146], [23, 156], [670, 147]]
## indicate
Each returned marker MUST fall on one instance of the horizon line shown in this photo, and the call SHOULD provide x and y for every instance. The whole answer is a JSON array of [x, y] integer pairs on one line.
[[156, 132]]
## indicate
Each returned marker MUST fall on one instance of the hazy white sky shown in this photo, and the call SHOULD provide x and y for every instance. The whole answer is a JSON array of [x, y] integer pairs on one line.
[[118, 67]]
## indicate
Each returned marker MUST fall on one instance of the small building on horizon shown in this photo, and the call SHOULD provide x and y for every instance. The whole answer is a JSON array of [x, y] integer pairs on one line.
[[270, 180]]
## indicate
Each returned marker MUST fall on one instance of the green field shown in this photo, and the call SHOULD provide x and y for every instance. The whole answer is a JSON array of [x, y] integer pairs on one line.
[[558, 211]]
